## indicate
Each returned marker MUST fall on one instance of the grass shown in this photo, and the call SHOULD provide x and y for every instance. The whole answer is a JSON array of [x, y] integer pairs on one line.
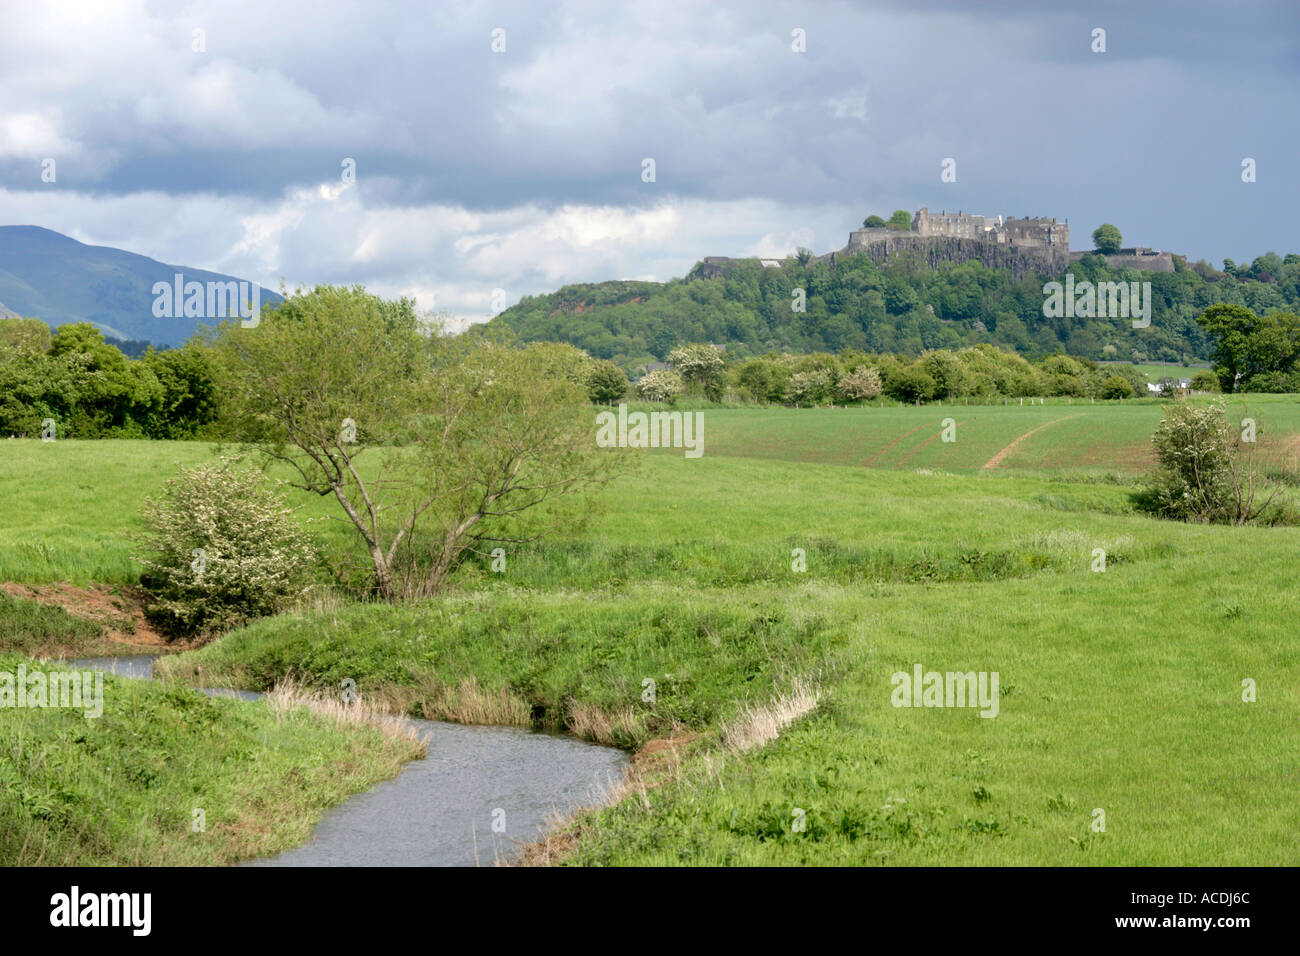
[[1120, 690], [1155, 371], [123, 788], [30, 628]]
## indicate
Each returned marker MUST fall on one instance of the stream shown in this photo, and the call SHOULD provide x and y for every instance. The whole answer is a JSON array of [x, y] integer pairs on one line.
[[442, 809]]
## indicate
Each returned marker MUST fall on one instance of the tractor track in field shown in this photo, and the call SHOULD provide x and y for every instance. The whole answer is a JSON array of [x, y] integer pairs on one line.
[[912, 454], [878, 455], [996, 460]]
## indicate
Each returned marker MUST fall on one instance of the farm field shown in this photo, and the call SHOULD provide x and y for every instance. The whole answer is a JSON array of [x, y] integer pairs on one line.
[[1121, 690], [1056, 436], [1155, 371]]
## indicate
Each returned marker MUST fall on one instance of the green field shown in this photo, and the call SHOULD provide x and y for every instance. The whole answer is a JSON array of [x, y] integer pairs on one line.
[[1120, 690], [1155, 371]]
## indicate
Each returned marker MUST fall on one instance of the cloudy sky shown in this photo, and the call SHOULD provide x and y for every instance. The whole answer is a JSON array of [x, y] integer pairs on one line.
[[521, 168]]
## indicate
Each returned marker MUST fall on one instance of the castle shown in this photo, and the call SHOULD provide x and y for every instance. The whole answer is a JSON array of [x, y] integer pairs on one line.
[[1026, 246], [1037, 233]]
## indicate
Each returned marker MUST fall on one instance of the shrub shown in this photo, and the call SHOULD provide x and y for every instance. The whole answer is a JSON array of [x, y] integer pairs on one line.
[[606, 383], [1116, 386], [1194, 447], [1278, 383], [701, 366], [220, 550], [861, 383], [909, 384], [1203, 474], [1205, 381], [661, 385], [763, 380], [810, 388]]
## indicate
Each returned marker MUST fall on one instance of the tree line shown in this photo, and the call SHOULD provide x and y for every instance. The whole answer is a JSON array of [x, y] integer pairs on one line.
[[87, 388], [902, 307]]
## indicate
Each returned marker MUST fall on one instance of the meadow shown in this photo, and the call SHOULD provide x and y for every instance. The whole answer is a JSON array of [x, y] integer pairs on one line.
[[812, 554]]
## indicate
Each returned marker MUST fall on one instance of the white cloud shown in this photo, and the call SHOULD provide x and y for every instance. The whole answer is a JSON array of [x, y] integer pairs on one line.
[[446, 257]]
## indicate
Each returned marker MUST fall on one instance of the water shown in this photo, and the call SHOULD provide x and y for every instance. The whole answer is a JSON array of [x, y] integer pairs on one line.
[[477, 792]]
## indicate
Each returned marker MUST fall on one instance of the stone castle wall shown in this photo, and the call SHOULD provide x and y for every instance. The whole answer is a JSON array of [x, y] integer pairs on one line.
[[937, 250], [1146, 260]]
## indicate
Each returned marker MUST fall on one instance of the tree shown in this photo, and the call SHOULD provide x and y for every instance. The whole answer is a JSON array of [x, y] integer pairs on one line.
[[1205, 381], [701, 366], [947, 372], [471, 436], [1107, 239], [1247, 345], [1116, 386], [812, 387], [763, 380], [900, 220], [803, 255], [909, 384], [875, 222], [862, 383], [189, 391], [606, 383], [112, 392]]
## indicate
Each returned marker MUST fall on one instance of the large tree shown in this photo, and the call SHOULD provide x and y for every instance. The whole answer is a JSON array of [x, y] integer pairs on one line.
[[431, 446], [1107, 239], [1247, 345]]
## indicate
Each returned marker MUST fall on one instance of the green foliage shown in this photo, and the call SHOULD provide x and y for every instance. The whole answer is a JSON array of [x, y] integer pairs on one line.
[[1203, 473], [701, 368], [901, 219], [607, 383], [763, 380], [470, 435], [903, 307], [220, 550], [1252, 348], [911, 383], [91, 390], [30, 335], [873, 222], [1205, 381], [1106, 238], [1116, 386], [32, 628]]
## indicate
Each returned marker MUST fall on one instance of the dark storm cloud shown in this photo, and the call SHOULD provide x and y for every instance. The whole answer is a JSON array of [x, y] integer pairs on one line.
[[1149, 134]]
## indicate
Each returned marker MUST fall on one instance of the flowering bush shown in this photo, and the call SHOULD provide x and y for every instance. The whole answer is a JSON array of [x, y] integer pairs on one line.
[[810, 388], [661, 385], [221, 549], [861, 383]]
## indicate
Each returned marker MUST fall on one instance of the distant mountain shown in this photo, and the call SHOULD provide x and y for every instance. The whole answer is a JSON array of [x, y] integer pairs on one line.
[[50, 276]]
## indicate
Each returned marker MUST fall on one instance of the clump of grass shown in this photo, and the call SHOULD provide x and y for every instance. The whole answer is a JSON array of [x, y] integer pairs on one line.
[[289, 695], [760, 724], [614, 728]]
